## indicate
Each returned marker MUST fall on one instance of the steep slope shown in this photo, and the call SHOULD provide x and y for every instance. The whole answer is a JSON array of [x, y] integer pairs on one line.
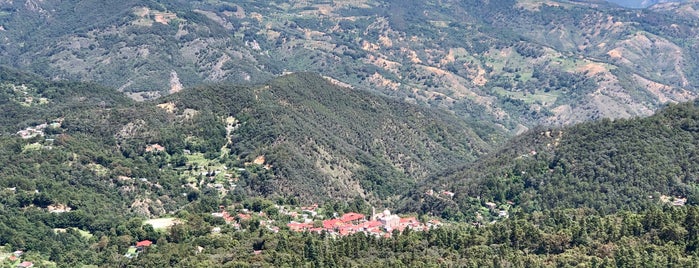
[[29, 100], [514, 63], [297, 136], [78, 159], [323, 141], [605, 165]]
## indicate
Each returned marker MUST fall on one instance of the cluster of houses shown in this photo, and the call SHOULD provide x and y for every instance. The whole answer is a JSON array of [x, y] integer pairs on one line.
[[379, 225], [16, 260], [38, 130], [215, 179], [243, 215], [491, 208], [500, 212], [444, 193], [674, 201]]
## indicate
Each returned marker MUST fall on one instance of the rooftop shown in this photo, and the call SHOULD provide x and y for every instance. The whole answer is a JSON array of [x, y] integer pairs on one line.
[[351, 217]]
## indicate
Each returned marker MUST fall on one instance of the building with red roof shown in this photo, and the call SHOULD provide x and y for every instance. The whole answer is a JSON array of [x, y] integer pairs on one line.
[[332, 224], [350, 217], [311, 208], [144, 243], [344, 232], [244, 217]]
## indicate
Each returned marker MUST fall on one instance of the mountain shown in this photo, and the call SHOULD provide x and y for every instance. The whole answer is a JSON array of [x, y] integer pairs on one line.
[[513, 63], [324, 141], [83, 167], [608, 166], [642, 3], [79, 159], [299, 136]]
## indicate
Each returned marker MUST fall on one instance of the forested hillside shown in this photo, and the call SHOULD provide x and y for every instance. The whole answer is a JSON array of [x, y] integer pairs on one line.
[[80, 162], [608, 166], [322, 140], [101, 159], [87, 174]]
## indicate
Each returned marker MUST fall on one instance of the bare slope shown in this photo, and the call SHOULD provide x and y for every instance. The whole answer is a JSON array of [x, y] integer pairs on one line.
[[513, 63]]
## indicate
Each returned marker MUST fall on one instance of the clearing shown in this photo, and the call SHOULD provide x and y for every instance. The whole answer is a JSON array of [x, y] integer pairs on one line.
[[162, 223]]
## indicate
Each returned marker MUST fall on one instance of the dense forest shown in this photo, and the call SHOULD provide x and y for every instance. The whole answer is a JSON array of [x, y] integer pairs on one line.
[[609, 166], [83, 166]]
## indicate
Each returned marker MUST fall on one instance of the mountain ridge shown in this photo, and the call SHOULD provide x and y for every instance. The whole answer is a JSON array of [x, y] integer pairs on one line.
[[477, 58], [605, 165]]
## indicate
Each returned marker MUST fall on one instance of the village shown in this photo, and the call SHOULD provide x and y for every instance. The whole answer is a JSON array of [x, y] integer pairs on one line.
[[307, 219], [379, 225], [39, 130]]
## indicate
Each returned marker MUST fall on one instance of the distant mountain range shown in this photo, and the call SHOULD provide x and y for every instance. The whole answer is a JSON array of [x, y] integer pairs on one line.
[[515, 64], [642, 3]]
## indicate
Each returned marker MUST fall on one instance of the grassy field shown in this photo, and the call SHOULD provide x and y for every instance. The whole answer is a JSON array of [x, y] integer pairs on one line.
[[162, 224]]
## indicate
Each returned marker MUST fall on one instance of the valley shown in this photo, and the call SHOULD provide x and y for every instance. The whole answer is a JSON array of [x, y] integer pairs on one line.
[[500, 133]]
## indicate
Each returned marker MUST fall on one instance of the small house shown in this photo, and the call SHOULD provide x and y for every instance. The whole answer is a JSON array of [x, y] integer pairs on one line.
[[143, 244]]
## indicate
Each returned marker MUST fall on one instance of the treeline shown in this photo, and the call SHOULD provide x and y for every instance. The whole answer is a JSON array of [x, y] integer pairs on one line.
[[554, 238]]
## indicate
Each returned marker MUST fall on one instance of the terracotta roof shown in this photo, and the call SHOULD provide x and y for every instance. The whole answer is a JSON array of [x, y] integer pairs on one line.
[[330, 224], [408, 220], [144, 243], [351, 217], [311, 208], [155, 147]]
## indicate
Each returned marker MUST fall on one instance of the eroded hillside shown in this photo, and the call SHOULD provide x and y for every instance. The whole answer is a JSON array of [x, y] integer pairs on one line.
[[514, 63]]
